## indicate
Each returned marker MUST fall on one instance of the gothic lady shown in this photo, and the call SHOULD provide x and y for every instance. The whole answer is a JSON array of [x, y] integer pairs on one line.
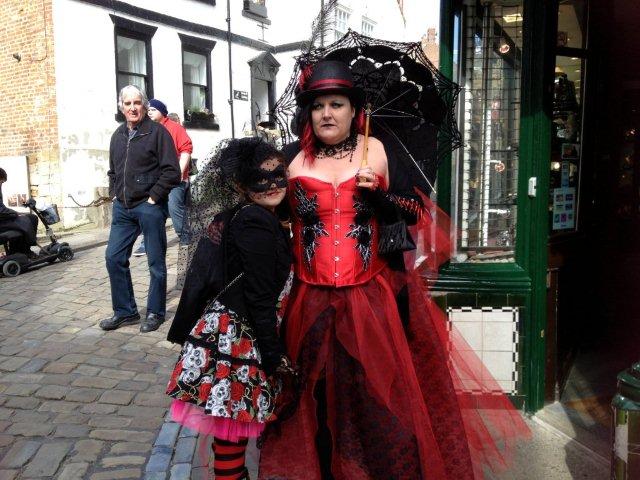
[[380, 398]]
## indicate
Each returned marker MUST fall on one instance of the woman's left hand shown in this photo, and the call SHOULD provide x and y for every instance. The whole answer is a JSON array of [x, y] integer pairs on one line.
[[367, 178]]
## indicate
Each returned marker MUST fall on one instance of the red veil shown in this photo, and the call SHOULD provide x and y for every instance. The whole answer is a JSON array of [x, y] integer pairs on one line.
[[405, 398]]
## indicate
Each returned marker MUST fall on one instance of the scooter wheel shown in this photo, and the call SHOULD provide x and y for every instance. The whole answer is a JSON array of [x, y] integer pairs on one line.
[[11, 268], [65, 253]]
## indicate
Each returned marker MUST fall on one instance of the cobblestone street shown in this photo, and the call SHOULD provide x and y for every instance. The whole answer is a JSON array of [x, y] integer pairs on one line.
[[77, 402]]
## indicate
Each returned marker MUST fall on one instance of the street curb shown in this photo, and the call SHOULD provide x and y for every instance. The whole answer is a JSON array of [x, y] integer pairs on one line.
[[572, 441], [101, 243]]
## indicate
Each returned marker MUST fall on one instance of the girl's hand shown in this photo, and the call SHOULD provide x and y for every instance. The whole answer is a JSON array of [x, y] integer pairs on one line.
[[366, 178]]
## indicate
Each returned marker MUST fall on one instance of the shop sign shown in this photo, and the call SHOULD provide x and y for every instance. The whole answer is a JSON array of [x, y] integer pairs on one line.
[[241, 95]]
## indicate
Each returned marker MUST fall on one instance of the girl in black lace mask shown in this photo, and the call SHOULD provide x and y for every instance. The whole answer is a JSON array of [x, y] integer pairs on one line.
[[227, 379]]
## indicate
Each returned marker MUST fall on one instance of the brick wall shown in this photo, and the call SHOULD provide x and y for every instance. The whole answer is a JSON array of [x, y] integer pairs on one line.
[[29, 123], [431, 47]]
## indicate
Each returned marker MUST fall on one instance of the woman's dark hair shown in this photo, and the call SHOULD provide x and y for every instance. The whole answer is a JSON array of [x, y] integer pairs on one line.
[[243, 156], [3, 175]]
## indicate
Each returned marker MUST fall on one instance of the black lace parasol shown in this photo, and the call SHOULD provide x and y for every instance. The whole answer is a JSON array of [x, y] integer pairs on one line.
[[412, 103]]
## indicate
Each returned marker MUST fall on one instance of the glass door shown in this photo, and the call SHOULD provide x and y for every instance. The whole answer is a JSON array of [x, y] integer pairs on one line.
[[568, 108]]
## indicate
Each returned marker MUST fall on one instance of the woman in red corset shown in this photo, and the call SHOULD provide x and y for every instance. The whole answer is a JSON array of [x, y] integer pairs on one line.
[[380, 396]]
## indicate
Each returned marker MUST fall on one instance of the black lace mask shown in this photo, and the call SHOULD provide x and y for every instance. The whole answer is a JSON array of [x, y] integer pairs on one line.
[[264, 180]]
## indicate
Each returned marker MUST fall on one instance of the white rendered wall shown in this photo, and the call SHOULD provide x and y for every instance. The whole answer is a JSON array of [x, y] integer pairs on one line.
[[86, 80]]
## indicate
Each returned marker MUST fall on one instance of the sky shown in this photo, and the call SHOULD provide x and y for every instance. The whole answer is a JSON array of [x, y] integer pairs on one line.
[[420, 15]]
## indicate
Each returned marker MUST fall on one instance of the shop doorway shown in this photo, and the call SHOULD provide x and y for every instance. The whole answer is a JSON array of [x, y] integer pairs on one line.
[[593, 302]]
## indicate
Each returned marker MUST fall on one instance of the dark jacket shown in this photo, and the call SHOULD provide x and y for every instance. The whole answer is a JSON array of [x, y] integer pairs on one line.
[[145, 166], [254, 243]]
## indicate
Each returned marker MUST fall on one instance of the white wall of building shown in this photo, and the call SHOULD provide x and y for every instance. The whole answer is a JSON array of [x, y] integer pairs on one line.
[[86, 78]]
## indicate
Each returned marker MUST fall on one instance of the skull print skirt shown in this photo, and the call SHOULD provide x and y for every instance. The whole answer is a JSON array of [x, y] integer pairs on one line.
[[218, 385]]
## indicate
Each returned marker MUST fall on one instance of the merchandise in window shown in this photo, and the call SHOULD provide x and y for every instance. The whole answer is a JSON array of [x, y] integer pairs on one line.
[[568, 105], [486, 168]]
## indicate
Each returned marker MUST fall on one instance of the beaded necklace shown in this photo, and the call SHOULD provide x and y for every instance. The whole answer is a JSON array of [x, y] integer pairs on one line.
[[340, 150]]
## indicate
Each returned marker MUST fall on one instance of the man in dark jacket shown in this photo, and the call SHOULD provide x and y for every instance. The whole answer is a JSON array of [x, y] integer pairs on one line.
[[143, 168]]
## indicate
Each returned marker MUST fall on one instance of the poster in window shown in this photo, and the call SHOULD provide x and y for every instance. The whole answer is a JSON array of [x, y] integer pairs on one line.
[[564, 208], [570, 151]]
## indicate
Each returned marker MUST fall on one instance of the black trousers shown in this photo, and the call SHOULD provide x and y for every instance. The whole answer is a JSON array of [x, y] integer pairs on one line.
[[27, 224]]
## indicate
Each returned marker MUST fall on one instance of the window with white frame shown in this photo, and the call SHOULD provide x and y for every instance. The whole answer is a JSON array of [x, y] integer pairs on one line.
[[342, 22], [367, 27]]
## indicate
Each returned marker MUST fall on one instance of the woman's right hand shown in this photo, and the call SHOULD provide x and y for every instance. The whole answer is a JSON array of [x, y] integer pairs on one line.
[[367, 178]]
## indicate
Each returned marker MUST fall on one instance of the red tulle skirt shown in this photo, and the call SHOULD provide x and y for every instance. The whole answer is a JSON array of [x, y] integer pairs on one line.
[[394, 388]]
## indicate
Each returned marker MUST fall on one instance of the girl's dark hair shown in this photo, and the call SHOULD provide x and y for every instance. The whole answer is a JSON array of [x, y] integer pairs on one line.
[[243, 156], [3, 174]]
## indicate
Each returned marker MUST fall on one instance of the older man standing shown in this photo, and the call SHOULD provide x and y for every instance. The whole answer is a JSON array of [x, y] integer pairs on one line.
[[143, 168], [184, 148]]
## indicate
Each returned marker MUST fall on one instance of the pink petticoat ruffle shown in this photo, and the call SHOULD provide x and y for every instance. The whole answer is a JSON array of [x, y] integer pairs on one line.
[[194, 418]]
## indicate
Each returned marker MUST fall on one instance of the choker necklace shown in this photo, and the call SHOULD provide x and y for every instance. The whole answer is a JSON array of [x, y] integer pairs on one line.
[[340, 150]]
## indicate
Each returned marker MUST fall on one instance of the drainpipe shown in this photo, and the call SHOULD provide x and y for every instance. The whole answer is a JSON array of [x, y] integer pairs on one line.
[[233, 128], [321, 22]]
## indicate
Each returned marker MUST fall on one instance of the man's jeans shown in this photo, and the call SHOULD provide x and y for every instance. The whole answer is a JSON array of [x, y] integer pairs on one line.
[[177, 199], [126, 225]]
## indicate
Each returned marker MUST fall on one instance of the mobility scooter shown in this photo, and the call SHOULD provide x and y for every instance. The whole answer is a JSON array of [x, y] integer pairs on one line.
[[13, 264]]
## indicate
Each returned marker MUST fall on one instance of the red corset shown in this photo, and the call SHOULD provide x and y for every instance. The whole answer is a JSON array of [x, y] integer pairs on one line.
[[335, 234]]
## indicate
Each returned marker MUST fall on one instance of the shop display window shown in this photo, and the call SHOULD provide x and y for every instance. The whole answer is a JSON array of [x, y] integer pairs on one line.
[[568, 105], [487, 65], [572, 20]]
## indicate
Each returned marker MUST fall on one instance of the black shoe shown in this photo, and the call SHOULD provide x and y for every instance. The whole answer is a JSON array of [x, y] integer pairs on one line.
[[116, 322], [151, 323]]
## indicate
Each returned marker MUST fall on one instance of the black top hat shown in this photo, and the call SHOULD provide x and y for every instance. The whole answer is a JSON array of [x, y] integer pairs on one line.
[[330, 76]]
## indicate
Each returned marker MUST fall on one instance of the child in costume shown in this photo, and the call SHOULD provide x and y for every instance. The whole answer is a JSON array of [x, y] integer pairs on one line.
[[225, 382]]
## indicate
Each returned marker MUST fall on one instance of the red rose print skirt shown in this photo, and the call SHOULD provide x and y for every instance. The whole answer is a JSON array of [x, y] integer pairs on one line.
[[218, 385]]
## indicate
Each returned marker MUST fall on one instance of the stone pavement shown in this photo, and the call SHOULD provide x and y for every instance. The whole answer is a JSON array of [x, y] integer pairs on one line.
[[77, 403]]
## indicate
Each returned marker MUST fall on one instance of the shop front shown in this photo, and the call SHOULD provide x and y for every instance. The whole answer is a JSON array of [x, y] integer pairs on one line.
[[545, 175]]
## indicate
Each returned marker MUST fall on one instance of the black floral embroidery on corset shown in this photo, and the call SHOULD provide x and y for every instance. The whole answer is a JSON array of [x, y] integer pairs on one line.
[[362, 230], [313, 227]]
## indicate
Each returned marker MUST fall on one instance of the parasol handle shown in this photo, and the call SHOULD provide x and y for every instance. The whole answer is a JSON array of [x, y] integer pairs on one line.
[[365, 147]]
